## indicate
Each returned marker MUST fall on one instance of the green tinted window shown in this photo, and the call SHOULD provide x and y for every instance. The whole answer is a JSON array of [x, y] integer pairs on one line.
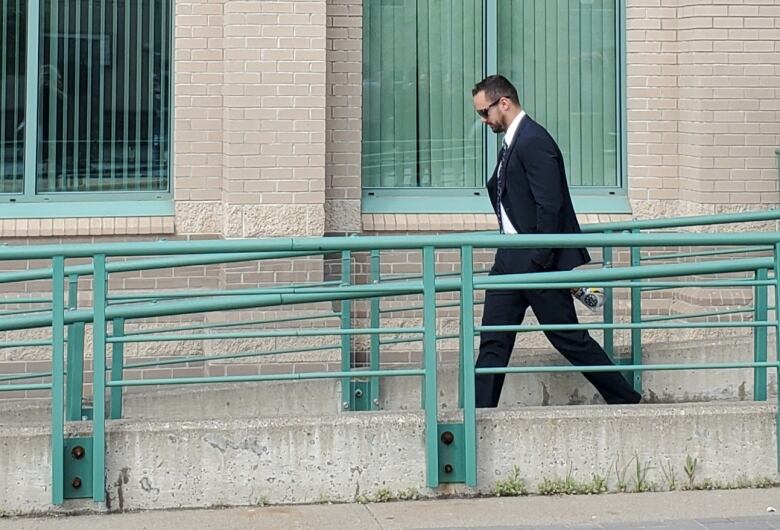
[[103, 97]]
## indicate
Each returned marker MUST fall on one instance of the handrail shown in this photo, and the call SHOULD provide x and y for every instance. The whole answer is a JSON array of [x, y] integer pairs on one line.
[[680, 222], [140, 265], [560, 279], [363, 243]]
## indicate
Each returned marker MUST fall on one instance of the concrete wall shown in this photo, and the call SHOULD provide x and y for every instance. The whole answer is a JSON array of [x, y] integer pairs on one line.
[[154, 465]]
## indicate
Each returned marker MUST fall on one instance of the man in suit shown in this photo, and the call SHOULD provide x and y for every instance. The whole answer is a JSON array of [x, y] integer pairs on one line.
[[530, 195]]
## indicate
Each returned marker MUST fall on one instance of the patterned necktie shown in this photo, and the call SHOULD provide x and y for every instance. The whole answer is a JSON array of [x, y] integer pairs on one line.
[[503, 156]]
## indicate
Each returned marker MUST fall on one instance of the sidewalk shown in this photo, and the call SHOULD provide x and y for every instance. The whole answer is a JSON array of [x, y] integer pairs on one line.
[[699, 510]]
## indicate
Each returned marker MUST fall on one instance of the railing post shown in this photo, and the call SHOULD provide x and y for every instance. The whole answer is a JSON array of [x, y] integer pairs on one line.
[[636, 318], [467, 362], [346, 323], [609, 305], [58, 380], [760, 335], [74, 380], [430, 401], [99, 286], [117, 367], [776, 265], [376, 275]]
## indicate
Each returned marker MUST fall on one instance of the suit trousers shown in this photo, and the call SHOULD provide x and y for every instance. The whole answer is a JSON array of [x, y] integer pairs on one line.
[[551, 306]]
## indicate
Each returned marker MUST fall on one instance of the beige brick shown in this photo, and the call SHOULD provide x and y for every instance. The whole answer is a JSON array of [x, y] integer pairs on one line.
[[7, 227]]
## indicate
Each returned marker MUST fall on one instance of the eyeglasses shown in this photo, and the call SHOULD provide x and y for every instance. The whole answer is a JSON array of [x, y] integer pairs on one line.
[[484, 112]]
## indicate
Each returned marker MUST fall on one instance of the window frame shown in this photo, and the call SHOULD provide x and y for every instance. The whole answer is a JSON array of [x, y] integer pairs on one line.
[[32, 204], [587, 199]]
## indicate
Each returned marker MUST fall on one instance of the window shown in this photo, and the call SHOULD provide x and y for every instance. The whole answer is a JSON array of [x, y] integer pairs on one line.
[[421, 137], [100, 101]]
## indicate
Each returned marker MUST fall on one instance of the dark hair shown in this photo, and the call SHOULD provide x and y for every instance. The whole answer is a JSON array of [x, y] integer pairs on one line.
[[495, 87]]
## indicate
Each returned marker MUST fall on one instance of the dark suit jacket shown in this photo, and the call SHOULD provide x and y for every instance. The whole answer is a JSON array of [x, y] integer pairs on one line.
[[536, 198]]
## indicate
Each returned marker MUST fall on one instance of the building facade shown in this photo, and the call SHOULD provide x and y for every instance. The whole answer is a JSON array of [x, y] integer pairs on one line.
[[232, 119], [239, 119]]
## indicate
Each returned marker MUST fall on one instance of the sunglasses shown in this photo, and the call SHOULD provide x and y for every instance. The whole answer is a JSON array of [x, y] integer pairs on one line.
[[484, 112]]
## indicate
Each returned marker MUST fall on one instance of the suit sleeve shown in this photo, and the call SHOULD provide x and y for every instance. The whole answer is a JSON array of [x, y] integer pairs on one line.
[[544, 178]]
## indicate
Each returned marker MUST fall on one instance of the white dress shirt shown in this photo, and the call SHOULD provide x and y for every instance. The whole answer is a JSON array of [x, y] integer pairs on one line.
[[508, 137]]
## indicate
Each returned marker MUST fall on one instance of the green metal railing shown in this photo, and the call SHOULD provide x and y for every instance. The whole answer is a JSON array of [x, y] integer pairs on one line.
[[67, 322]]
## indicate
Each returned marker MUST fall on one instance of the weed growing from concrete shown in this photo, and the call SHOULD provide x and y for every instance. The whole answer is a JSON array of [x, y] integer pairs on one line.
[[596, 486], [641, 484], [763, 482], [512, 486], [262, 501], [383, 495], [362, 499], [570, 486], [409, 494], [670, 475], [690, 471], [556, 486], [620, 475]]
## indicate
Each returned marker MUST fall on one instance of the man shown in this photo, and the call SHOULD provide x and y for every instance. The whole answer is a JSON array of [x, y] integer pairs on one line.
[[530, 195]]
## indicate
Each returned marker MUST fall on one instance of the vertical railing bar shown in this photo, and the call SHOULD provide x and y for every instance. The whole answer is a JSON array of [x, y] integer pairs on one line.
[[58, 382], [376, 277], [760, 336], [346, 323], [117, 367], [100, 282], [467, 363], [75, 347], [429, 364], [777, 350], [609, 305], [76, 116], [636, 317]]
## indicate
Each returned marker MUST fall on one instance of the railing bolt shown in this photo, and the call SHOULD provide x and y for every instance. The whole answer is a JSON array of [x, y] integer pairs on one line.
[[358, 393], [76, 483], [448, 468], [447, 438], [345, 405], [77, 453], [376, 402]]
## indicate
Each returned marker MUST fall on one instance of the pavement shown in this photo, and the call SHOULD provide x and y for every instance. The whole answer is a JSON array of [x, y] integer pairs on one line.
[[693, 510]]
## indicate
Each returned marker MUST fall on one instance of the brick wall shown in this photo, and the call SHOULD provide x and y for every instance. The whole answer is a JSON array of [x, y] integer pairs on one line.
[[274, 118], [344, 117], [198, 132], [704, 80]]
